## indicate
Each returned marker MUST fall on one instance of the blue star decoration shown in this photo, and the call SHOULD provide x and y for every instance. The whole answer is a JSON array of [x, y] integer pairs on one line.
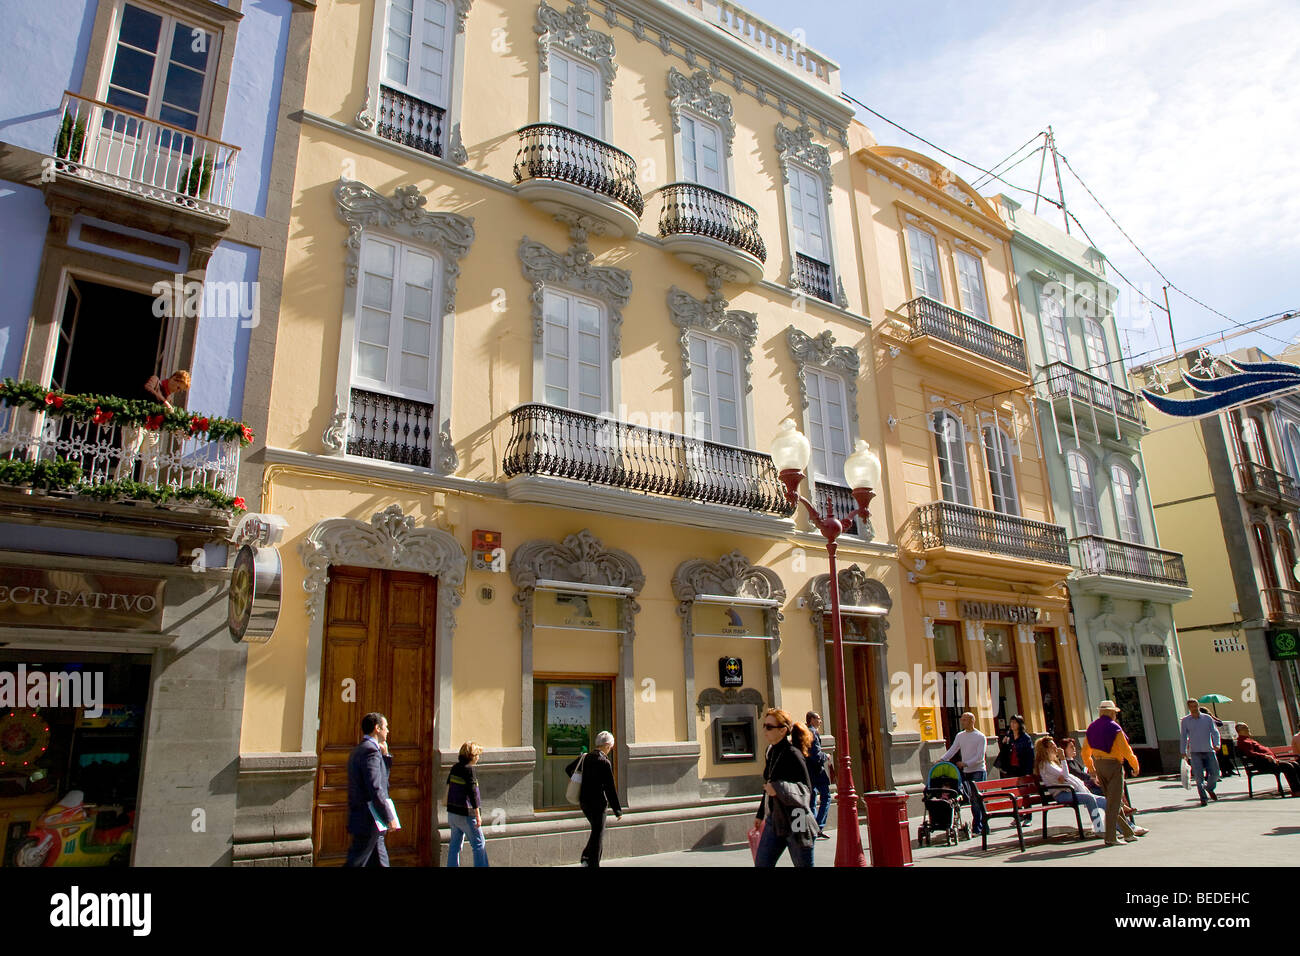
[[1246, 381]]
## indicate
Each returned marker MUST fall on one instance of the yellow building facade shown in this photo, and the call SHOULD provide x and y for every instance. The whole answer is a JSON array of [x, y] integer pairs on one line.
[[982, 560], [554, 277]]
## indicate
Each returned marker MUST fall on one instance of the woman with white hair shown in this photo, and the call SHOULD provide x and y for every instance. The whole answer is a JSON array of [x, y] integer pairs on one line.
[[596, 792]]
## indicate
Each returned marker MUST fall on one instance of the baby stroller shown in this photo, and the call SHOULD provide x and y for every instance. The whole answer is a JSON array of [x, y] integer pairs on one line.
[[943, 799]]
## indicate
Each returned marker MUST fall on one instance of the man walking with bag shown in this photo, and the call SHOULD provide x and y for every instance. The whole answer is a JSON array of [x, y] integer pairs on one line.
[[368, 802], [1199, 742], [819, 772]]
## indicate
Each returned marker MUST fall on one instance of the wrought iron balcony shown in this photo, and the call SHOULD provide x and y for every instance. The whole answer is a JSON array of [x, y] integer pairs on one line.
[[560, 443], [928, 317], [391, 429], [550, 155], [942, 524], [1065, 380], [131, 153], [814, 277], [1094, 554], [1263, 485], [1281, 604], [842, 502], [691, 210], [412, 122]]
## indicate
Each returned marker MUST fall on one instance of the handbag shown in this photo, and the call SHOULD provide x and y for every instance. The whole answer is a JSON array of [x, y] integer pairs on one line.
[[1186, 775], [573, 791], [755, 835]]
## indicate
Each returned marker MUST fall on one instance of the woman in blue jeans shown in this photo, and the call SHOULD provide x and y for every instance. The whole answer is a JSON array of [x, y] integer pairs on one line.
[[785, 812], [1049, 765], [464, 814]]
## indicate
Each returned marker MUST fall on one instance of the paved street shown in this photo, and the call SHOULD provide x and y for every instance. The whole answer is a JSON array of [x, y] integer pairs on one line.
[[1236, 831]]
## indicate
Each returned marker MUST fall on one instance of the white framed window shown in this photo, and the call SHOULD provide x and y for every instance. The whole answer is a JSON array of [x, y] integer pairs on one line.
[[1002, 474], [954, 470], [1056, 344], [1083, 494], [1094, 340], [808, 214], [970, 285], [702, 152], [924, 256], [162, 67], [828, 424], [1124, 487], [715, 391], [574, 99], [1290, 432], [418, 44], [575, 346], [397, 328]]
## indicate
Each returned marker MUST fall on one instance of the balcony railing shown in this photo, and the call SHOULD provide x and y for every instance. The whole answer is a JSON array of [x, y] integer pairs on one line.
[[943, 524], [1281, 604], [154, 458], [560, 443], [700, 211], [1063, 379], [126, 151], [565, 155], [412, 122], [814, 277], [391, 429], [1262, 484], [842, 502], [1094, 554], [929, 317]]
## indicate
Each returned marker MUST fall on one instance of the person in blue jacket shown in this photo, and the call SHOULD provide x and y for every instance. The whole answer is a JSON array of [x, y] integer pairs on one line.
[[819, 769], [1016, 750]]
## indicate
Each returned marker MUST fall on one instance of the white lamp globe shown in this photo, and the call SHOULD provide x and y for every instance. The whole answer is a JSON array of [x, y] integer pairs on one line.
[[790, 449], [862, 468]]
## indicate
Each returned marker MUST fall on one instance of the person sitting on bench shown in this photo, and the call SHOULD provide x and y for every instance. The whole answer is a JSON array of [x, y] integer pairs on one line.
[[1049, 765], [1261, 758]]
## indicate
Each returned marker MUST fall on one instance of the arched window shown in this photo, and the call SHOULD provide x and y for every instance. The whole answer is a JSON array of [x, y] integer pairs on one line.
[[1056, 344], [1286, 554], [950, 443], [1002, 476], [1291, 447], [1083, 494], [1264, 554], [1094, 340], [1124, 486], [1259, 451]]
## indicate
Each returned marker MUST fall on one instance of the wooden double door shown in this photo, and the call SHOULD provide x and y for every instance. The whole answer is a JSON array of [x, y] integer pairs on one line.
[[378, 656]]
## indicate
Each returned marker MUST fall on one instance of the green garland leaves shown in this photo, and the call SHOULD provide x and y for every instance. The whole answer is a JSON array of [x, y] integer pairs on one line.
[[63, 475], [112, 410]]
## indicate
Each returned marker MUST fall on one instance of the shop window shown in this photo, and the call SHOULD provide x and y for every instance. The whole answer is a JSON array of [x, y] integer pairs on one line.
[[998, 648]]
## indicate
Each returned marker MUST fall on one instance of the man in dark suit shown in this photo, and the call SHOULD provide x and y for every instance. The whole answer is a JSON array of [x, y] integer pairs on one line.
[[368, 786]]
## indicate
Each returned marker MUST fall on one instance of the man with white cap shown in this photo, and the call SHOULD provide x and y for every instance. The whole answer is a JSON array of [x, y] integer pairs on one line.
[[1105, 749]]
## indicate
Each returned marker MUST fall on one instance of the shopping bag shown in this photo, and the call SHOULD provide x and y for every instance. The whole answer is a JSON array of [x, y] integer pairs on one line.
[[1187, 775], [755, 834], [574, 789]]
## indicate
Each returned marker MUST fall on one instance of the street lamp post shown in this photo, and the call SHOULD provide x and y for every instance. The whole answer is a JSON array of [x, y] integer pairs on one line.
[[790, 453]]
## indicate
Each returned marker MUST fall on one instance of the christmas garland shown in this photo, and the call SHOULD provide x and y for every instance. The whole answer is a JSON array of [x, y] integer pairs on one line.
[[111, 410], [63, 475]]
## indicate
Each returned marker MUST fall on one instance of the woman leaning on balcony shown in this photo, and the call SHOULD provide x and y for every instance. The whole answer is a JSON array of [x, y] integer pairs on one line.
[[137, 438]]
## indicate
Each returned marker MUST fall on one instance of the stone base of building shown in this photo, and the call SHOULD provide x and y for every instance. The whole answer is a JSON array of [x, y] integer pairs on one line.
[[273, 811]]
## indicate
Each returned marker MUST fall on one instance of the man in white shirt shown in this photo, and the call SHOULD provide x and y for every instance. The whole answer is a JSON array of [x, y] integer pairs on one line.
[[970, 746]]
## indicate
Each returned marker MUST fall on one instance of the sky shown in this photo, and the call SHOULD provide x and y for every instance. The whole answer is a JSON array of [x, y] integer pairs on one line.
[[1183, 118]]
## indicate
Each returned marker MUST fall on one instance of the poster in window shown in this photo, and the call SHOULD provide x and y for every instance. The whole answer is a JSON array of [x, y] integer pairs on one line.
[[575, 609], [568, 718], [725, 620]]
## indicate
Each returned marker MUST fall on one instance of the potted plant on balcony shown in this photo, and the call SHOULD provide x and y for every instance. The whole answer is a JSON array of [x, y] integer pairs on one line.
[[71, 141], [197, 182]]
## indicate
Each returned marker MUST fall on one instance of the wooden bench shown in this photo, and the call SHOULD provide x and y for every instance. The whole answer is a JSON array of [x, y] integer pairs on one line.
[[1019, 798], [1281, 753]]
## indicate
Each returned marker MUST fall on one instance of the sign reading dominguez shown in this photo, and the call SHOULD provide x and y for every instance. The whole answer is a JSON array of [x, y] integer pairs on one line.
[[1284, 644], [80, 600], [986, 611]]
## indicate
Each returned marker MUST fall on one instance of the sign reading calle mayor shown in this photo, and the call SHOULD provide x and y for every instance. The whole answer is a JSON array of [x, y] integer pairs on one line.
[[80, 600], [987, 611]]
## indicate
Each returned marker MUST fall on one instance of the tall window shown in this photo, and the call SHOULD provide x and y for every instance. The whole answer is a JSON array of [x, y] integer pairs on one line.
[[1286, 554], [702, 153], [417, 49], [1002, 476], [808, 210], [1083, 494], [828, 424], [970, 286], [1094, 340], [715, 390], [925, 263], [1055, 342], [397, 330], [1291, 447], [1259, 451], [1126, 506], [575, 349], [950, 444], [574, 100], [162, 68], [1264, 553]]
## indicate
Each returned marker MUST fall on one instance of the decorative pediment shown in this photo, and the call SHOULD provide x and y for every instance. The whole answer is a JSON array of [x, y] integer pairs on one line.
[[729, 696], [856, 590], [462, 11], [821, 352], [570, 31], [695, 92], [712, 315], [797, 146], [580, 558], [573, 270], [403, 214], [937, 177], [732, 574]]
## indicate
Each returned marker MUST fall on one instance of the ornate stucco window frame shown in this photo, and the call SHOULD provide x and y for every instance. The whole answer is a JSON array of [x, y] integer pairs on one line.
[[401, 217], [569, 33], [794, 147], [454, 149], [389, 540], [712, 317], [694, 95]]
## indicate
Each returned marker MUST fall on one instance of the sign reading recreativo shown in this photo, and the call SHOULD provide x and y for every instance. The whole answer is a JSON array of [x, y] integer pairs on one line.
[[80, 600]]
